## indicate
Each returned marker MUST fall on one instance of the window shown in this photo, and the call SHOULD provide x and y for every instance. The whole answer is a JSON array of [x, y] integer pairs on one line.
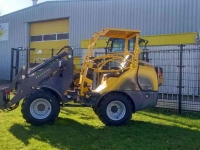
[[36, 38], [62, 36], [131, 44], [118, 45], [49, 37]]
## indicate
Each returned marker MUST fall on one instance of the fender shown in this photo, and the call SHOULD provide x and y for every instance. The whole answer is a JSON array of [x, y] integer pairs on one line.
[[54, 91]]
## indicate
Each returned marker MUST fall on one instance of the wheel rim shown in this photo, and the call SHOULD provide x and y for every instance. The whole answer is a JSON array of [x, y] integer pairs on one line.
[[40, 108], [116, 110]]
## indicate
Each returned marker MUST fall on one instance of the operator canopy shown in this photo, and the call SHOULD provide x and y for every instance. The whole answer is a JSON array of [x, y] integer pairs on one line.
[[118, 33]]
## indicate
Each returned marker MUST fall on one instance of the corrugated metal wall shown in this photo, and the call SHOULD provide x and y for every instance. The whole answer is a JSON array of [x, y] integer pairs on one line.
[[86, 17]]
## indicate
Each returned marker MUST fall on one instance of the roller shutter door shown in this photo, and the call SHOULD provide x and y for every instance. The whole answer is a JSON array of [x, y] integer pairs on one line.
[[47, 37]]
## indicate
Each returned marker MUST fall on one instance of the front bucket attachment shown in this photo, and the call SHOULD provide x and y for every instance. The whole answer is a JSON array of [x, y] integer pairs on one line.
[[4, 99]]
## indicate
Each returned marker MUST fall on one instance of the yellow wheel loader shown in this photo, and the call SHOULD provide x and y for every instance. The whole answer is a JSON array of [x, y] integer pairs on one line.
[[115, 84]]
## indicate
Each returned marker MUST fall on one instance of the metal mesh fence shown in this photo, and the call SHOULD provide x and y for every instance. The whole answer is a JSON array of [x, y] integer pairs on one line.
[[180, 90], [168, 61], [38, 56]]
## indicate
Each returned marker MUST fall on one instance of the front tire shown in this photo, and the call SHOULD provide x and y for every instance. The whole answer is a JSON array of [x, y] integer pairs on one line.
[[115, 109], [40, 107], [95, 110]]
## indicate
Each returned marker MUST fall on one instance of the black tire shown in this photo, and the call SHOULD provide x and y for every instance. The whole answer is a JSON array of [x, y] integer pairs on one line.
[[95, 110], [104, 103], [47, 97]]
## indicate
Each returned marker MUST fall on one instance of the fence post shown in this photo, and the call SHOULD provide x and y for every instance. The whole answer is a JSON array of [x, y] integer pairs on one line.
[[17, 66], [52, 52], [17, 62], [27, 59], [180, 86], [11, 65]]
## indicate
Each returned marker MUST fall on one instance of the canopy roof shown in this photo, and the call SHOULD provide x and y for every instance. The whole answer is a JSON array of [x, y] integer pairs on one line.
[[118, 33]]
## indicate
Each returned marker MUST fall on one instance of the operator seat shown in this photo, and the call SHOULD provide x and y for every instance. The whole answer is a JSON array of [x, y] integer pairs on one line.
[[124, 64], [90, 70]]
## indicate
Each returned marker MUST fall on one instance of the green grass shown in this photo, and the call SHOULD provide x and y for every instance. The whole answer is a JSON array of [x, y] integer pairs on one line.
[[80, 129]]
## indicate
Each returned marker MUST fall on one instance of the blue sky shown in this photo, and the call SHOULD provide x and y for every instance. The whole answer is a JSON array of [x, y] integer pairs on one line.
[[8, 6]]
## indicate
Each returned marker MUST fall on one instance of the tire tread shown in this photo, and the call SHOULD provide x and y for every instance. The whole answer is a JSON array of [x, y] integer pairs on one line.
[[101, 109], [30, 98]]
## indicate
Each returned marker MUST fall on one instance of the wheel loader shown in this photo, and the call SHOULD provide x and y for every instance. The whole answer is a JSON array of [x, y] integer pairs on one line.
[[115, 84]]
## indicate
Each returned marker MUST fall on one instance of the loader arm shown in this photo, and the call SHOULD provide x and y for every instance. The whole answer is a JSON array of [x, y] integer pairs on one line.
[[55, 74]]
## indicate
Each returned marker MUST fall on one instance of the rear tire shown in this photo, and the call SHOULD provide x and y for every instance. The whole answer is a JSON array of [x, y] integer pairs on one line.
[[115, 109], [40, 107]]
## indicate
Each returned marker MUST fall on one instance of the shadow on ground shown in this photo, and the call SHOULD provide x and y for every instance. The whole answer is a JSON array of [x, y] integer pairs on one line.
[[69, 134]]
